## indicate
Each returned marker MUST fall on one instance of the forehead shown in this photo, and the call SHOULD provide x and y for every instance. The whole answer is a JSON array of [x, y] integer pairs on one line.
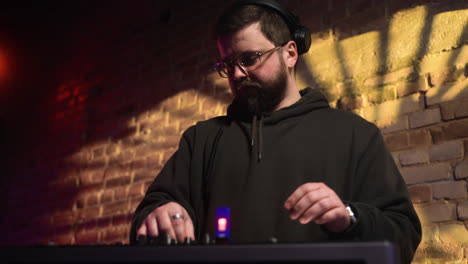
[[250, 38]]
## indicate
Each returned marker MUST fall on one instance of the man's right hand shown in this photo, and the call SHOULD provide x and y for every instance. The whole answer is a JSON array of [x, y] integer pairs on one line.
[[162, 221]]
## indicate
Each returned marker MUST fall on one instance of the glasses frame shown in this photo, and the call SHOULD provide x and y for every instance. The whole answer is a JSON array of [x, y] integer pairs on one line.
[[223, 66]]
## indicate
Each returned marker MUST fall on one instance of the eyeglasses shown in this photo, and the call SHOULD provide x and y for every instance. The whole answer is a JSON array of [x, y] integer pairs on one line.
[[248, 61]]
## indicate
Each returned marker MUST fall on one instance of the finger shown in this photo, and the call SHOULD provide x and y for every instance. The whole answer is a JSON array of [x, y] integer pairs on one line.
[[152, 226], [317, 210], [165, 225], [300, 192], [331, 216], [307, 201], [189, 232], [142, 230], [179, 228]]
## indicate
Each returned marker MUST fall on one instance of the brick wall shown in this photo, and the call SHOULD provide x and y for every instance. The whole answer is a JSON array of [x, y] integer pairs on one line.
[[122, 82]]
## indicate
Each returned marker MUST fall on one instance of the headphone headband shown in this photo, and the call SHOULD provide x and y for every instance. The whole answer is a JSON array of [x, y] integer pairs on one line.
[[299, 33]]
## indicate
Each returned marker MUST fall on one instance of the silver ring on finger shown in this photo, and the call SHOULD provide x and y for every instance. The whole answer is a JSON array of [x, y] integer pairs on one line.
[[177, 216]]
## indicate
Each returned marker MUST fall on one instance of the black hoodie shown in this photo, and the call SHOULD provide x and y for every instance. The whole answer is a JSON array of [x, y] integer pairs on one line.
[[253, 164]]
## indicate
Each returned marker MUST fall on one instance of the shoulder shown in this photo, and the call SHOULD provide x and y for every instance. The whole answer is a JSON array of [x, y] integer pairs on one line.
[[207, 128], [344, 120]]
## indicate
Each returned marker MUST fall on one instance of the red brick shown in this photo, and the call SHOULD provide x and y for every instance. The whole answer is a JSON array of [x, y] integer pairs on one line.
[[396, 141], [97, 163], [424, 118], [449, 190], [115, 208], [400, 124], [420, 193], [114, 234], [87, 237], [81, 202], [454, 109], [63, 239], [209, 104], [91, 178], [136, 189], [113, 182], [461, 171], [120, 193], [107, 196], [123, 159], [122, 219], [439, 212], [138, 163], [465, 146], [426, 173], [445, 92], [446, 151], [104, 222], [153, 162], [462, 210], [112, 149], [85, 224], [116, 171], [413, 157], [92, 199], [451, 130], [419, 138], [98, 153], [89, 212], [64, 218], [157, 126], [405, 88], [449, 74], [143, 175], [147, 148]]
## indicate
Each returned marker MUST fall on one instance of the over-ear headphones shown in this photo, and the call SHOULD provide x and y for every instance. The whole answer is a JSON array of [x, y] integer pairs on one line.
[[299, 33]]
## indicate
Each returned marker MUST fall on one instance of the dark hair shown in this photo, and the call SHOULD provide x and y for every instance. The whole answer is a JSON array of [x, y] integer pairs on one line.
[[237, 17]]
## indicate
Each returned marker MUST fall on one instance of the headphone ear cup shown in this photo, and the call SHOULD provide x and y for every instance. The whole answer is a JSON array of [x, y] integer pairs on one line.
[[302, 38]]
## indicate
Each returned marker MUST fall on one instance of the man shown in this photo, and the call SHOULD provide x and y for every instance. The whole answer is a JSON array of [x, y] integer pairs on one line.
[[286, 164]]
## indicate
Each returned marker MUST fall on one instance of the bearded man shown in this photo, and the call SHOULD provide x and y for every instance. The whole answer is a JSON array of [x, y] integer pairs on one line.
[[286, 164]]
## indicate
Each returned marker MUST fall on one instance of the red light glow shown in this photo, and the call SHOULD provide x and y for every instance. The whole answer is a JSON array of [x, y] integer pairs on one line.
[[3, 66], [222, 224]]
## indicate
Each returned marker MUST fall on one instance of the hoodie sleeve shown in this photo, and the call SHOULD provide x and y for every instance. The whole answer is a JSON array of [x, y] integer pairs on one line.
[[170, 185], [380, 200]]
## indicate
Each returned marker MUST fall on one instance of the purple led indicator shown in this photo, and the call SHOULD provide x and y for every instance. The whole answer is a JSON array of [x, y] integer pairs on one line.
[[223, 224]]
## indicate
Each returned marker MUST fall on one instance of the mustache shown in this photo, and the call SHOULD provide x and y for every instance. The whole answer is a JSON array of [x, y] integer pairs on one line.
[[246, 83], [248, 88]]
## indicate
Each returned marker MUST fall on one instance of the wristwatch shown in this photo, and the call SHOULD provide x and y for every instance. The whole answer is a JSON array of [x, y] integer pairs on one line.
[[351, 214]]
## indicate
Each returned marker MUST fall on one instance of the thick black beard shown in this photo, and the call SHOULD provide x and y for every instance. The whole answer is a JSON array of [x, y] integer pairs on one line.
[[261, 98]]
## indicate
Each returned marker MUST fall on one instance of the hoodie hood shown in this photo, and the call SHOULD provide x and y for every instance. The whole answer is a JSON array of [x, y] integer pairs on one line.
[[311, 99]]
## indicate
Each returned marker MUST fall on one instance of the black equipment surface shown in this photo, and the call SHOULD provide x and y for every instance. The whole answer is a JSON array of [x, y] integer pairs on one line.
[[357, 252]]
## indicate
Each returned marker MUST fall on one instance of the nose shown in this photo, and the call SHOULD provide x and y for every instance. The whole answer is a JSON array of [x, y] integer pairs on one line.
[[238, 72]]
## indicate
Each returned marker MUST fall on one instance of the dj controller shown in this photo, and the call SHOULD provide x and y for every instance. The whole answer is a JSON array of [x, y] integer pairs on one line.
[[329, 253], [207, 250]]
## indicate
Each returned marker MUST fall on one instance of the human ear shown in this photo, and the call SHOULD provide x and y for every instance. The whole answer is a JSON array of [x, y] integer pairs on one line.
[[291, 54]]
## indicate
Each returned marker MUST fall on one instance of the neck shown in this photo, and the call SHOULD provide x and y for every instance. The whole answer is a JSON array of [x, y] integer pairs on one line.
[[291, 95]]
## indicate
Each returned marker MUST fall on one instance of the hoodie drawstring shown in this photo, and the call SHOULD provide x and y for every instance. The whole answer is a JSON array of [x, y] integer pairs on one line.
[[257, 131]]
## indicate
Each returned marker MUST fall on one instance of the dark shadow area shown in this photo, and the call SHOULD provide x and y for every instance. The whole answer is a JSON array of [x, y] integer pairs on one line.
[[82, 71]]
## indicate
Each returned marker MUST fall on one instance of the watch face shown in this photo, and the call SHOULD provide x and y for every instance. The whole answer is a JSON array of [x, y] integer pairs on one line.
[[351, 214]]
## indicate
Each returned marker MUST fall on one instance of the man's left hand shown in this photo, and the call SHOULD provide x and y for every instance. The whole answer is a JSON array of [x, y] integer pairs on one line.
[[318, 203]]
